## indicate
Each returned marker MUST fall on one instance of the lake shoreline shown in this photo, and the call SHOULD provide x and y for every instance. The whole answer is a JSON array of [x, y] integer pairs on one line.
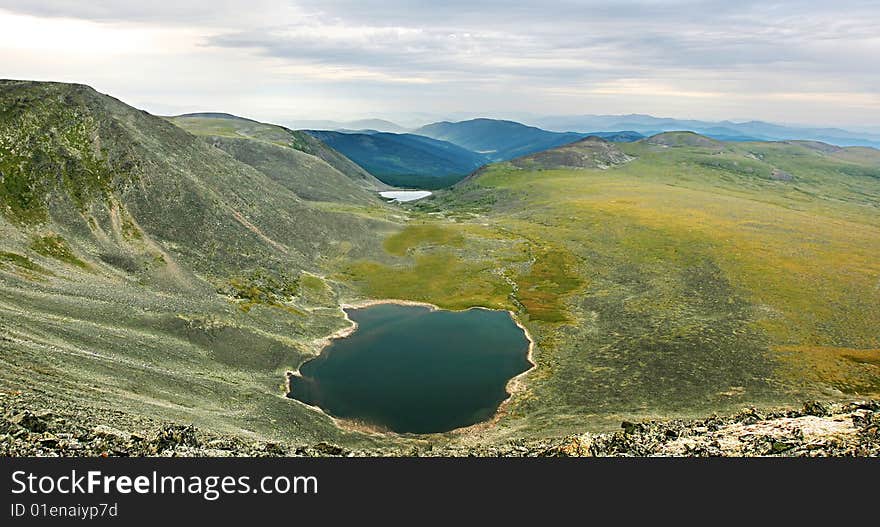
[[513, 386], [405, 195]]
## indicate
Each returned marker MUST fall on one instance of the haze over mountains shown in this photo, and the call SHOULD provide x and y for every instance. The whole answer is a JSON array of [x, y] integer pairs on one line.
[[378, 125], [722, 130], [405, 160], [497, 140], [441, 153], [646, 125], [643, 124]]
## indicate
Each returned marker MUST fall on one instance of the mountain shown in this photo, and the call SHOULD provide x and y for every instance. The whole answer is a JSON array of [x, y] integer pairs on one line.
[[379, 125], [723, 130], [497, 140], [441, 154], [150, 274], [626, 136], [234, 127], [404, 160], [590, 152], [686, 138], [144, 268]]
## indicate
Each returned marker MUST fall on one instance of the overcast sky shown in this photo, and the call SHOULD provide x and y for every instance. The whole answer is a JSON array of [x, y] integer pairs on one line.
[[802, 61]]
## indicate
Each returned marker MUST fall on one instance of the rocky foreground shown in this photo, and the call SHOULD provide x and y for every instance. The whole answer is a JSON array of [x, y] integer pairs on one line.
[[817, 429]]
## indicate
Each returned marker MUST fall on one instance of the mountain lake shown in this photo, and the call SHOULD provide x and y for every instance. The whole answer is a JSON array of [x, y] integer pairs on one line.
[[416, 369]]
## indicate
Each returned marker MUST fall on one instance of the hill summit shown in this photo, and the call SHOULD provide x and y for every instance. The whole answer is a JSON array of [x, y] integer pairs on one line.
[[683, 138], [498, 140], [589, 152]]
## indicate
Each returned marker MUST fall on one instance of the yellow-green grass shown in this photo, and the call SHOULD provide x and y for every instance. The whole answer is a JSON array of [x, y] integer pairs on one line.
[[416, 235], [54, 246], [670, 282], [846, 369], [22, 265], [231, 127], [442, 278], [542, 290]]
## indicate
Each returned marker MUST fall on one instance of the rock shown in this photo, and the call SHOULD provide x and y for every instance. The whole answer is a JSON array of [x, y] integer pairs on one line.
[[780, 446], [864, 418], [275, 449], [812, 429], [780, 175], [109, 432], [575, 446], [173, 436], [20, 433], [815, 408], [33, 422], [329, 449]]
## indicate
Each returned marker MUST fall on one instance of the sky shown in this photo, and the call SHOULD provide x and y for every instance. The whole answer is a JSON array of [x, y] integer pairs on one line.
[[799, 62]]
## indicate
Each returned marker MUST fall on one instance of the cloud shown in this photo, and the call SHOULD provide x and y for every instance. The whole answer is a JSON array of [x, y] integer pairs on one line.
[[168, 13], [530, 40], [635, 55]]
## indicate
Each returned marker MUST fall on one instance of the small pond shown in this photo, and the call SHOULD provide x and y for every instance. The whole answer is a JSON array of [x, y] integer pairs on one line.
[[416, 369], [404, 195]]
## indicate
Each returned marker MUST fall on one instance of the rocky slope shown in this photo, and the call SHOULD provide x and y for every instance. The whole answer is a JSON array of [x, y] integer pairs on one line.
[[178, 276], [28, 428], [680, 139], [145, 267], [590, 152], [234, 127]]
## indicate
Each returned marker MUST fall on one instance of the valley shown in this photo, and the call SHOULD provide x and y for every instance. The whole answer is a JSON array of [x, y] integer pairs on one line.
[[175, 269]]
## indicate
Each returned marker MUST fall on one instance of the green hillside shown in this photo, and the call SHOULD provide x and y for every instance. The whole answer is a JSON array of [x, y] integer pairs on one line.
[[143, 269], [405, 160], [231, 126], [152, 273], [685, 281], [497, 140], [590, 152], [677, 139]]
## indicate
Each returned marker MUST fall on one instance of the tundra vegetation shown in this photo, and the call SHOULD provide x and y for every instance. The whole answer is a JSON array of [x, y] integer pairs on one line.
[[175, 269]]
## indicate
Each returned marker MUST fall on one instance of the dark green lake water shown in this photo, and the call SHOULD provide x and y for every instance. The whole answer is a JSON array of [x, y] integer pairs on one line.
[[411, 369]]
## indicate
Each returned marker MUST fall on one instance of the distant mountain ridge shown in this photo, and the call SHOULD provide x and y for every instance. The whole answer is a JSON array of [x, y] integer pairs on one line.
[[407, 160], [722, 130], [440, 154], [642, 124], [216, 115], [589, 152], [378, 125], [498, 140]]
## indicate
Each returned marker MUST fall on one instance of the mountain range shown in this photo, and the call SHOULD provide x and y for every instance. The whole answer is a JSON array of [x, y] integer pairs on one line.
[[497, 140], [645, 125], [404, 160], [378, 125], [400, 159], [174, 269], [722, 130], [438, 155]]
